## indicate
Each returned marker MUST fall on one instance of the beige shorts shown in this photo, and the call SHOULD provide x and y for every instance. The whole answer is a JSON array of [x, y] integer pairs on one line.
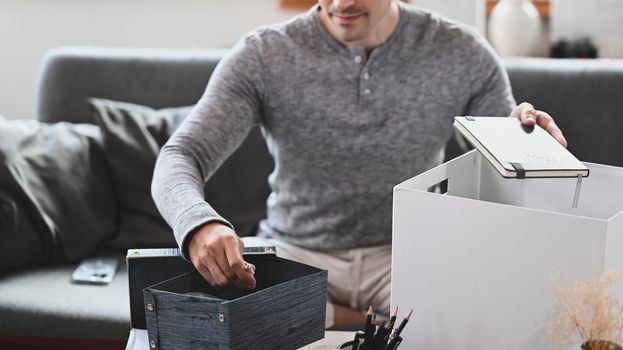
[[358, 277]]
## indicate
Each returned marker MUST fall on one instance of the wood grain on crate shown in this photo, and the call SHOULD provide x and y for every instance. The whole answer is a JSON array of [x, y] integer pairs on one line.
[[286, 311], [143, 272], [287, 316]]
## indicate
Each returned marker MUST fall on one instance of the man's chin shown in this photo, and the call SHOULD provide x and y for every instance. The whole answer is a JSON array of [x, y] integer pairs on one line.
[[348, 36]]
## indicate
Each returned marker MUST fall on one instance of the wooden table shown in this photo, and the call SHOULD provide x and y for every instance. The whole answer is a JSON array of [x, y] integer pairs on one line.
[[138, 340], [331, 340]]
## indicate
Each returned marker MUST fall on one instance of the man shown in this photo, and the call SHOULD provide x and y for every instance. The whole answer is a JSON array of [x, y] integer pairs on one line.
[[353, 97]]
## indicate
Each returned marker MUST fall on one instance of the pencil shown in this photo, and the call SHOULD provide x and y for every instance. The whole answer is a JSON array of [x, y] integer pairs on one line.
[[392, 320], [404, 323], [368, 319], [369, 329]]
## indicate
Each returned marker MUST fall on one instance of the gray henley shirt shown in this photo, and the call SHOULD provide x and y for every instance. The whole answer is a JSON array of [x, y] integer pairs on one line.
[[343, 125]]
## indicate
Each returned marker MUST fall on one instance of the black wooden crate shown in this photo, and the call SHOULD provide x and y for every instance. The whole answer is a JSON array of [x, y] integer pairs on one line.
[[149, 266], [285, 311]]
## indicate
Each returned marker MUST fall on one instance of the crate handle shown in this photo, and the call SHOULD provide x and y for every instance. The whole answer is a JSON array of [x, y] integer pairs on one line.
[[439, 188], [444, 174]]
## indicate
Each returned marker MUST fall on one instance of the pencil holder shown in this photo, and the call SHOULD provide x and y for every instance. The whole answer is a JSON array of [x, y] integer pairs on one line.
[[349, 345]]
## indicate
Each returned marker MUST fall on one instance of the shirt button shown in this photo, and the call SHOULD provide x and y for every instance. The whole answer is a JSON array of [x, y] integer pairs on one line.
[[367, 92], [366, 75], [358, 59]]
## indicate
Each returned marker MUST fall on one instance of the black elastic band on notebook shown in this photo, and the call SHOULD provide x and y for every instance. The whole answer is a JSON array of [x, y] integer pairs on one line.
[[521, 172]]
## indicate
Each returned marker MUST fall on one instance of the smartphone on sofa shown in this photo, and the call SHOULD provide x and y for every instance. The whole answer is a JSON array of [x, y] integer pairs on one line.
[[95, 271]]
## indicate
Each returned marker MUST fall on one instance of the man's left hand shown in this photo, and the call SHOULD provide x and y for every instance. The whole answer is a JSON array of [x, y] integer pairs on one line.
[[530, 116]]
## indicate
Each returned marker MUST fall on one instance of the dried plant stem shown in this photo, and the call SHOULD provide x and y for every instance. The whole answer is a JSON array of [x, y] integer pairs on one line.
[[583, 332], [588, 309]]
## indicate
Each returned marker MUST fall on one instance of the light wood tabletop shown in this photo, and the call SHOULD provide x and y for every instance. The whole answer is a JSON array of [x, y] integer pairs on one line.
[[331, 341], [138, 340]]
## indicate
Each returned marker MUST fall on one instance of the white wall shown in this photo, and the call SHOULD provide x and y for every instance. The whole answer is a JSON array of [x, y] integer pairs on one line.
[[600, 20], [30, 27], [471, 12]]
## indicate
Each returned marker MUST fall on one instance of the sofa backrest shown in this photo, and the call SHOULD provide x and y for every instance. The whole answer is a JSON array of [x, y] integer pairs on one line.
[[584, 96], [152, 77], [156, 78]]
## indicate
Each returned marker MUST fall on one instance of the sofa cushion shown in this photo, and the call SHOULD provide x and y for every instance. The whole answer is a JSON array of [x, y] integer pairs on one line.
[[55, 193], [133, 136], [42, 303]]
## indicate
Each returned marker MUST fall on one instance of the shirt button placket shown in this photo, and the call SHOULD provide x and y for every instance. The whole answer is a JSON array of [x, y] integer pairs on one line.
[[366, 75], [366, 81]]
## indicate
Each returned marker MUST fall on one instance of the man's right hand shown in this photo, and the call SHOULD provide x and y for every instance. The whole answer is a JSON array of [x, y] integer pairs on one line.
[[216, 252]]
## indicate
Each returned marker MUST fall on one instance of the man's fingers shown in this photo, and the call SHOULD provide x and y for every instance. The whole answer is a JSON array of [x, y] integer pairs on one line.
[[526, 113], [529, 116], [218, 276], [203, 270], [223, 264], [241, 245], [547, 122], [238, 266], [216, 252]]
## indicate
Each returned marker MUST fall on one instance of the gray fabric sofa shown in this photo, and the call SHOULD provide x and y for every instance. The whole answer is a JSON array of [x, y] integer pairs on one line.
[[585, 97]]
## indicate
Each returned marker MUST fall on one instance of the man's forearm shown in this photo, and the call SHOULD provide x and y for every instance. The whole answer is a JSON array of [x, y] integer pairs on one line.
[[177, 189]]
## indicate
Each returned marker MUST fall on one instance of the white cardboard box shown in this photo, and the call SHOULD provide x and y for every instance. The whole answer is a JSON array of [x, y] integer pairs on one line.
[[479, 264]]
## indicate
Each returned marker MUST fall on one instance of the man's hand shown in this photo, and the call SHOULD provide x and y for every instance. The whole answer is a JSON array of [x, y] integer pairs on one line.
[[216, 252], [530, 116]]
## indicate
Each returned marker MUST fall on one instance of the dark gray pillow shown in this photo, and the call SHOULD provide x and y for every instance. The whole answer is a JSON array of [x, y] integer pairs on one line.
[[133, 135], [55, 193]]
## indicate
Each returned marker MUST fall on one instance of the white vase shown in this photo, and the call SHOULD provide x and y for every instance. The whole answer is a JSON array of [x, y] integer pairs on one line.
[[515, 27]]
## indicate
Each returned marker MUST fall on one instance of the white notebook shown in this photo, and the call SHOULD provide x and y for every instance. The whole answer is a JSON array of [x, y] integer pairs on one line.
[[518, 151]]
